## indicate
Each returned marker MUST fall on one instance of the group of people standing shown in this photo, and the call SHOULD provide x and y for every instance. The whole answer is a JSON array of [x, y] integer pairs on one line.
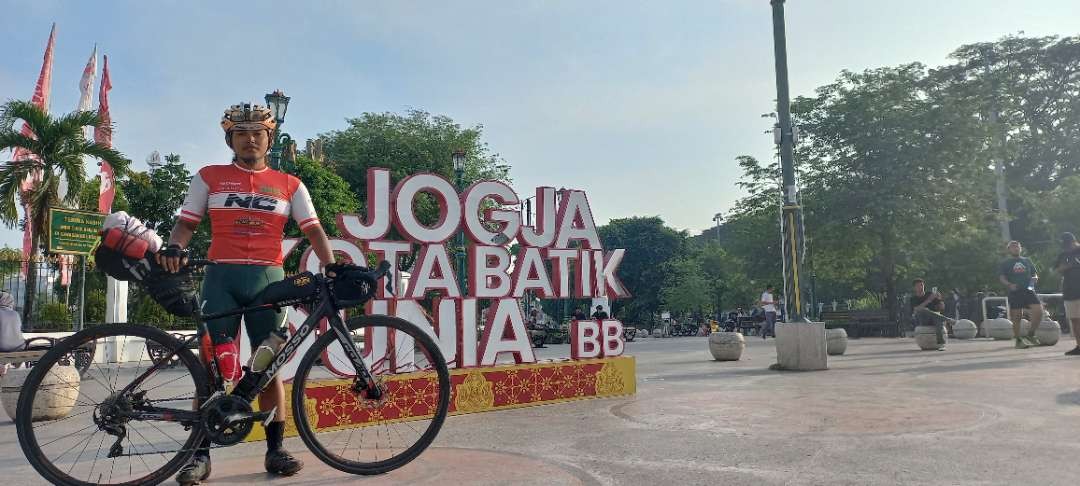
[[1019, 276]]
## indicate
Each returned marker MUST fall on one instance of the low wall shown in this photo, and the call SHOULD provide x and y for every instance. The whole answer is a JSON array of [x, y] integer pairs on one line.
[[476, 390]]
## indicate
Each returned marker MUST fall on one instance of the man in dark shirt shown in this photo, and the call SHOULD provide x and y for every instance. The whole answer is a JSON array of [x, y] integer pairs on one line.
[[926, 310], [1068, 265], [1019, 275], [600, 314]]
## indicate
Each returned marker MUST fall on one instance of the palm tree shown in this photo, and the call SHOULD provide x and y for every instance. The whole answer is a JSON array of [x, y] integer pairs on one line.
[[55, 151]]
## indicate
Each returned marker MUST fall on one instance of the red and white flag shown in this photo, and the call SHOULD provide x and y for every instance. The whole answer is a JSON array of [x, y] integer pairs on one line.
[[86, 100], [103, 136], [41, 99]]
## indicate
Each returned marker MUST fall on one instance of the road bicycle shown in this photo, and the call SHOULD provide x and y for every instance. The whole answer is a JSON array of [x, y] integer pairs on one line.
[[368, 396]]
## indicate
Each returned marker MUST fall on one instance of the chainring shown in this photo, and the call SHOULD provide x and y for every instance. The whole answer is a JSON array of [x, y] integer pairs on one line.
[[219, 429]]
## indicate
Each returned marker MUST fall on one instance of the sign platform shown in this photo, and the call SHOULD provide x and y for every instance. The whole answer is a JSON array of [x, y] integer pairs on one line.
[[475, 390]]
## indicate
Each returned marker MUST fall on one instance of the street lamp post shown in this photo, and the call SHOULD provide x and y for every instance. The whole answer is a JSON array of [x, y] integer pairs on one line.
[[792, 222], [459, 174], [278, 104]]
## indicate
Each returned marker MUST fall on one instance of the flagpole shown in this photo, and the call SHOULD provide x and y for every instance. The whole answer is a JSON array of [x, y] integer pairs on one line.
[[116, 291], [86, 101], [40, 99]]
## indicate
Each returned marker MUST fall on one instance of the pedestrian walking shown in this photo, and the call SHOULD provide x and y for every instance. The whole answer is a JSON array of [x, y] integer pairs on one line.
[[1019, 275], [768, 305]]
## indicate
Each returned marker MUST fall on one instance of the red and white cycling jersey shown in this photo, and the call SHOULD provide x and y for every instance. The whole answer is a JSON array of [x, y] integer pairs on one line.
[[248, 211]]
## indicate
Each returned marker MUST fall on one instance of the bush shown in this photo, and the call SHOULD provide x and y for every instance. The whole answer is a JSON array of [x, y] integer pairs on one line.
[[149, 312], [867, 302], [53, 316], [95, 306]]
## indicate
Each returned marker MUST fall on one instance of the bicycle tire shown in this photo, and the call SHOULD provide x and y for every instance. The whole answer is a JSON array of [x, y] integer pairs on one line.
[[305, 430], [24, 423]]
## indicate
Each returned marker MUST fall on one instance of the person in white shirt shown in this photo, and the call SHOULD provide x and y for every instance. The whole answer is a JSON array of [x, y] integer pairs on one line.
[[768, 304]]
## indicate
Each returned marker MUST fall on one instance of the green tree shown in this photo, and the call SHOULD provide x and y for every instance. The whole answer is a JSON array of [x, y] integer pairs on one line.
[[891, 166], [650, 247], [725, 273], [55, 151], [330, 194], [87, 200], [1032, 84], [155, 196], [407, 144], [686, 288]]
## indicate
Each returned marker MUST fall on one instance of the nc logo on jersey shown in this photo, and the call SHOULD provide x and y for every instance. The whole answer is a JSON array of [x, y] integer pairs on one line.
[[250, 201]]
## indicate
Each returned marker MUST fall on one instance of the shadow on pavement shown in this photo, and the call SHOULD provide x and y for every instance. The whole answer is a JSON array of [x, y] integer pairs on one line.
[[1071, 398]]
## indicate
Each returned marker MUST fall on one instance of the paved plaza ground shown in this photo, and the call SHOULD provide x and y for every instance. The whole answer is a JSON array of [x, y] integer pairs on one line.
[[885, 413]]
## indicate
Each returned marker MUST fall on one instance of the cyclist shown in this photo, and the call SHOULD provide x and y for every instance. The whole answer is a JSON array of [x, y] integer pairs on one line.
[[249, 205]]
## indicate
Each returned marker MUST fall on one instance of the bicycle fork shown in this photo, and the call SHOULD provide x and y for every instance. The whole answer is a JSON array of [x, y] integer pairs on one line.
[[364, 381]]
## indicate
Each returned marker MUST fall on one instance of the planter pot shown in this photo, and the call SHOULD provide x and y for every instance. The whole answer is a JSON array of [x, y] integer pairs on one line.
[[926, 338], [726, 346], [56, 395], [999, 329], [835, 341], [1049, 332], [964, 329]]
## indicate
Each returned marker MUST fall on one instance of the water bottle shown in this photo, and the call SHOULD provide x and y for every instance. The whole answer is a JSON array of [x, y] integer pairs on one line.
[[264, 353], [228, 357]]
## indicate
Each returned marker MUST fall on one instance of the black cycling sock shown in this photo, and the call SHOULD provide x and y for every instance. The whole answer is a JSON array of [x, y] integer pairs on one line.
[[204, 449], [275, 435]]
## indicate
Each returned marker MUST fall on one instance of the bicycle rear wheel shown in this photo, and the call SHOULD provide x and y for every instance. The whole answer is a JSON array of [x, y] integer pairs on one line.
[[356, 434], [69, 425]]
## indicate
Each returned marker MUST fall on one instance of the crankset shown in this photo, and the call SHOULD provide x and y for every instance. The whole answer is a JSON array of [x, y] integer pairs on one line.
[[228, 419]]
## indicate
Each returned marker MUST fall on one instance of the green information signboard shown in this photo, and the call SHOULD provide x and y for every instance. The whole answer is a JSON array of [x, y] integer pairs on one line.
[[73, 232]]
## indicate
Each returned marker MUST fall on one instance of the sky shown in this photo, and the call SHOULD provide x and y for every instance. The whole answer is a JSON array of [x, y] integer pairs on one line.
[[644, 105]]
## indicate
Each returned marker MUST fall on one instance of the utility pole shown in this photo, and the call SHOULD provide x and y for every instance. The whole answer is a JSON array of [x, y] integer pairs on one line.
[[791, 213], [998, 152]]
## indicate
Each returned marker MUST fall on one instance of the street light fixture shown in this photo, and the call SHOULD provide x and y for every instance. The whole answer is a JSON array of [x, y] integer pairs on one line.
[[278, 104]]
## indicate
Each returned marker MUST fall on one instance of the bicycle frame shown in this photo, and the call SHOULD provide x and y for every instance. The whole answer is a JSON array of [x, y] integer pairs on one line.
[[324, 308]]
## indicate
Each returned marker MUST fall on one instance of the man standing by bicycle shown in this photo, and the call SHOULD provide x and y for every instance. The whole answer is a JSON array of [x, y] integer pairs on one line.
[[249, 204]]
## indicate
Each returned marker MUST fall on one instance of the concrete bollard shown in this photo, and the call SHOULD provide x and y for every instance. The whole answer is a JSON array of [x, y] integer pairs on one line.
[[726, 346], [656, 333], [964, 329], [1000, 329], [926, 337], [1048, 333], [56, 395], [835, 341], [801, 346]]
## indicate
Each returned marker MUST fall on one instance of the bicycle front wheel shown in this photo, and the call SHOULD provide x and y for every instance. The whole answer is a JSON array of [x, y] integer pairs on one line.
[[79, 428], [354, 432]]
